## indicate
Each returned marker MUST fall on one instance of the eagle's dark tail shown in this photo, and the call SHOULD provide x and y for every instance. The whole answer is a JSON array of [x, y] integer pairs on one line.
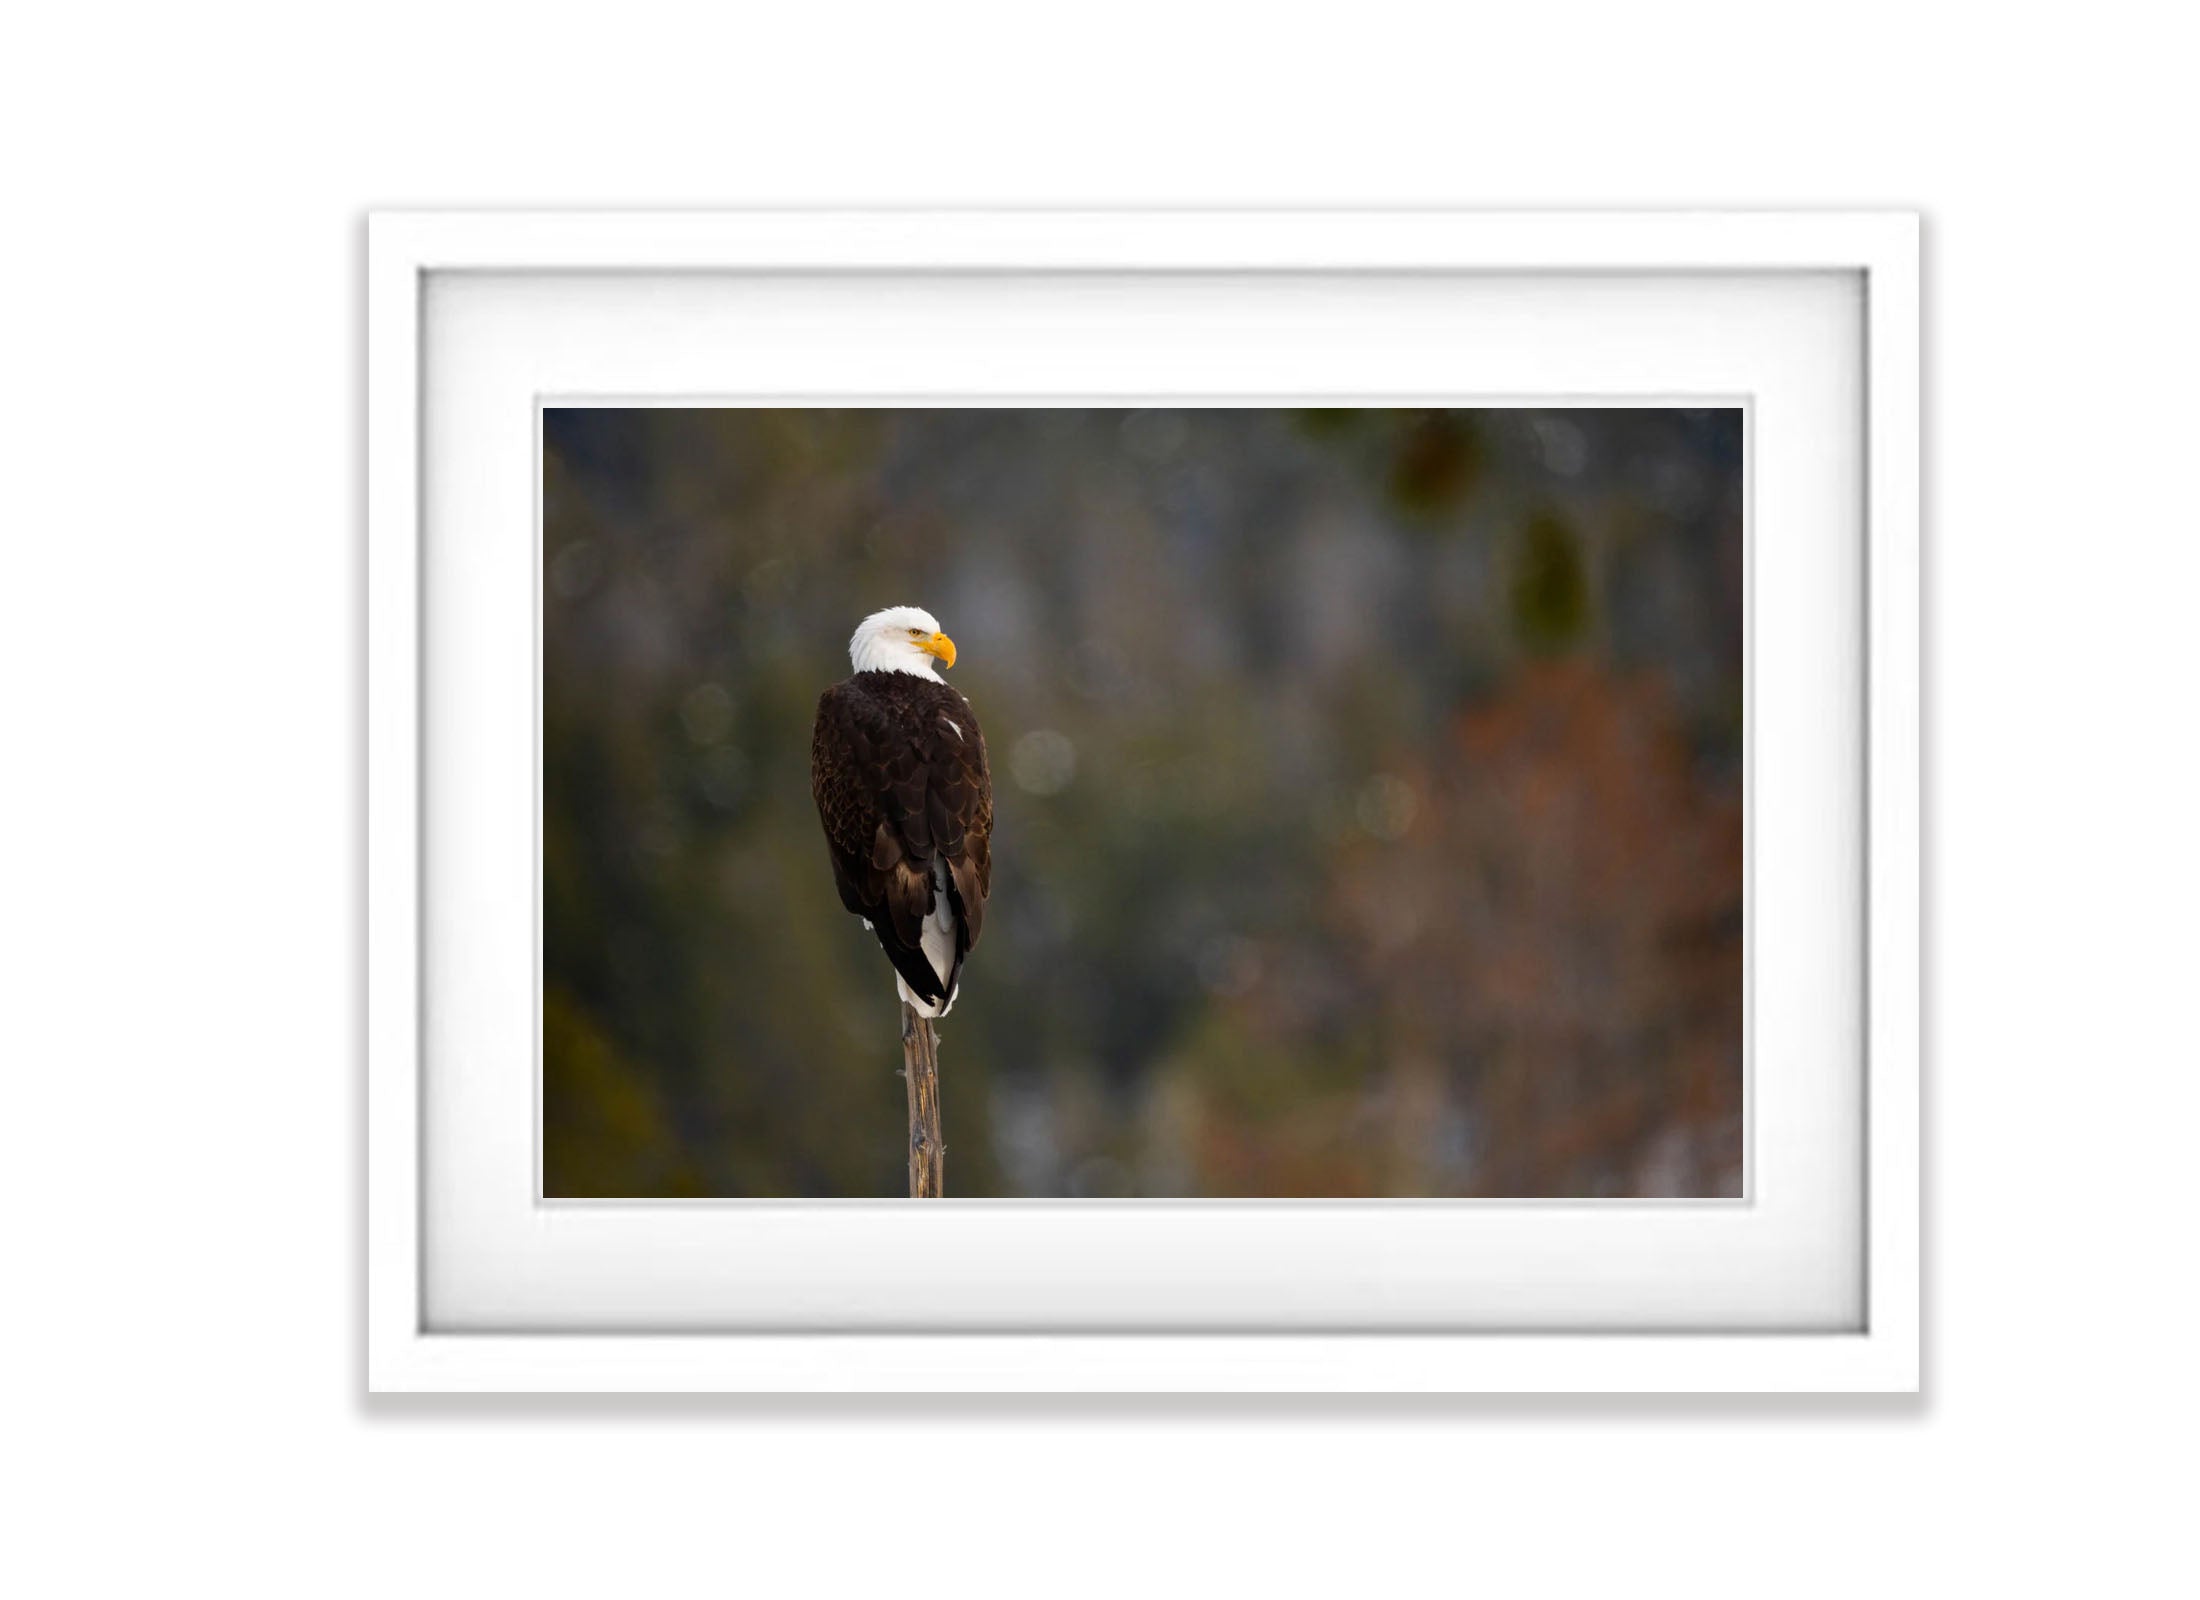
[[915, 970]]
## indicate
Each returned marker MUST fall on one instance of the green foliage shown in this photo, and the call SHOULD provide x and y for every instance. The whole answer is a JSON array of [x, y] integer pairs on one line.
[[1550, 586], [604, 1131]]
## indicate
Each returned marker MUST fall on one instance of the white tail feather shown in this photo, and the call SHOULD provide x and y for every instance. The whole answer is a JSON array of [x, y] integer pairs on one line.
[[937, 940]]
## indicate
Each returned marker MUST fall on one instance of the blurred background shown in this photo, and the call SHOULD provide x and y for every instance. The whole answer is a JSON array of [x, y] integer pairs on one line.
[[1368, 796]]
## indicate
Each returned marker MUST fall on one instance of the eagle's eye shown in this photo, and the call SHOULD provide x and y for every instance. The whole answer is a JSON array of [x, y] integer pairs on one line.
[[916, 633]]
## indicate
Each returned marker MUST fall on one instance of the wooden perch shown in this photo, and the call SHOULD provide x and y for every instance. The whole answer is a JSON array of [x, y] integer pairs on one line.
[[920, 1056]]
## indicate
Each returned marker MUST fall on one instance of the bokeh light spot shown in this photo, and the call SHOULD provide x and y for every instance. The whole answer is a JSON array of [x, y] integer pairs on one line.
[[1385, 807], [1043, 762], [707, 713]]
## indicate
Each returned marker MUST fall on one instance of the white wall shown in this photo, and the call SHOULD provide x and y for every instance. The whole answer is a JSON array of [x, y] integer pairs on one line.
[[179, 650]]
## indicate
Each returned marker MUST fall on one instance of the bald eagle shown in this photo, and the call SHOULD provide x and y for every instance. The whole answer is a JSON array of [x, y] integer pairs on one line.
[[897, 767]]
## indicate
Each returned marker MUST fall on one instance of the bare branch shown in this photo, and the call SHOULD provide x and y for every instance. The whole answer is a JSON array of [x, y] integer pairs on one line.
[[920, 1055]]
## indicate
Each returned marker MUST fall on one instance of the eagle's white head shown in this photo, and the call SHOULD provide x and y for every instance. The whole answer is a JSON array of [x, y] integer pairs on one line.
[[901, 639]]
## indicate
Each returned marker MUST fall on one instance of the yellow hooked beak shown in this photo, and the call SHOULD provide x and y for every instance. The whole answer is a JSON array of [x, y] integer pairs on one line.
[[939, 645]]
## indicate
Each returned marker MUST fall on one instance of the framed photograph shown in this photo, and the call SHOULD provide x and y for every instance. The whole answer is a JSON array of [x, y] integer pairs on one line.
[[1061, 801]]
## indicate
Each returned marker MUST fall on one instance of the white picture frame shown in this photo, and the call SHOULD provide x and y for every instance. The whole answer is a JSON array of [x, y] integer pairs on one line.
[[408, 1349]]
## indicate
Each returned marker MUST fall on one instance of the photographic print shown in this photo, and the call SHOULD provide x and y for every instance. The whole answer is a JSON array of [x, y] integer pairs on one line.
[[1109, 803]]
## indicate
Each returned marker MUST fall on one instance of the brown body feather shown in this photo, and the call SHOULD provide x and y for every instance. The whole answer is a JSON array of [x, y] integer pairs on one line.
[[898, 770]]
